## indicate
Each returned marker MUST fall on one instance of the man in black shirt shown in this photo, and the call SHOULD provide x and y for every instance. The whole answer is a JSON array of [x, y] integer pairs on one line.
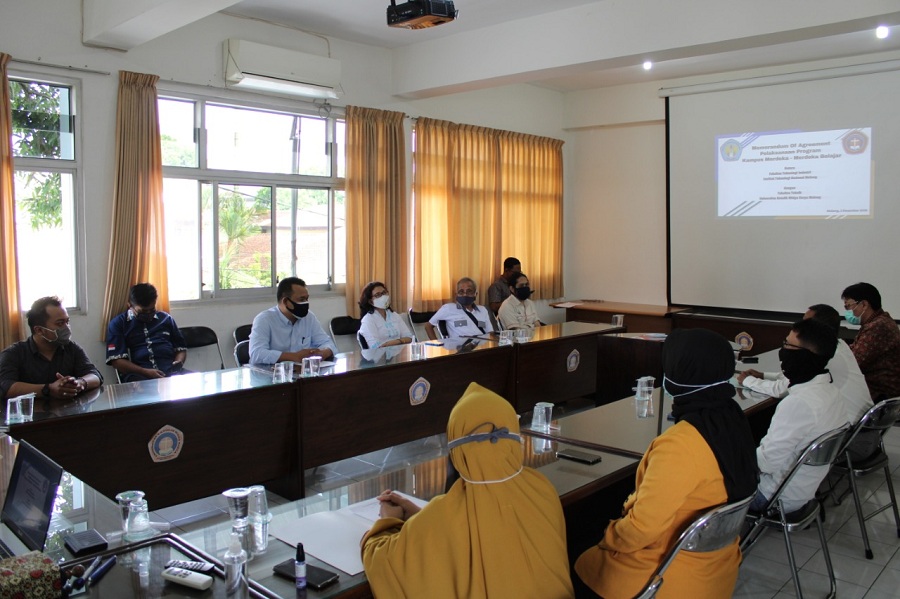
[[48, 363]]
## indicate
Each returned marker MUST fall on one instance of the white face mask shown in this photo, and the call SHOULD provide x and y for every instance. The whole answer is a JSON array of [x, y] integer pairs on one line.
[[382, 302], [694, 387]]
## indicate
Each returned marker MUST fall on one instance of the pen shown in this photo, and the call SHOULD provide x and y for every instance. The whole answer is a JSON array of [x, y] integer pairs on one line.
[[102, 570], [79, 582]]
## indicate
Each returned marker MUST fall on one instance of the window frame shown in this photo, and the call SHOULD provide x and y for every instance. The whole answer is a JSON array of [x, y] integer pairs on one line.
[[204, 175], [73, 167]]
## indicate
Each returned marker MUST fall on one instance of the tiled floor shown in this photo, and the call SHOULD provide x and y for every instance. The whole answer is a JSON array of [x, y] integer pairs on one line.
[[765, 573]]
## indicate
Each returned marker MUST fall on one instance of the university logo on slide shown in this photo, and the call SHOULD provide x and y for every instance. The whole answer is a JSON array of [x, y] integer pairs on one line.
[[730, 150], [855, 142]]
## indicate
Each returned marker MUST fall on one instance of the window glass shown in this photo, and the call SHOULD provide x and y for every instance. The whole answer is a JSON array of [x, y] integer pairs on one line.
[[176, 132], [340, 239], [244, 241], [340, 140], [181, 200], [45, 235], [250, 140], [42, 124]]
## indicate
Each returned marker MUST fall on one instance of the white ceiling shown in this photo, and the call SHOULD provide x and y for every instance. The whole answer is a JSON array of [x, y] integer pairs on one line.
[[364, 21]]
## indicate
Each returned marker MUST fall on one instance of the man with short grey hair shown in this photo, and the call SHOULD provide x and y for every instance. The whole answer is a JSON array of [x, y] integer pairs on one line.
[[462, 318]]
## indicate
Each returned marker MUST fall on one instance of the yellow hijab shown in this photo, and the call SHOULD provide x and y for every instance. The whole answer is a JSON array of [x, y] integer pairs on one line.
[[484, 538]]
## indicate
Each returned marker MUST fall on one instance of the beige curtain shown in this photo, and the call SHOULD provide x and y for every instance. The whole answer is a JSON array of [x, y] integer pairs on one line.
[[137, 249], [481, 195], [377, 223], [10, 310]]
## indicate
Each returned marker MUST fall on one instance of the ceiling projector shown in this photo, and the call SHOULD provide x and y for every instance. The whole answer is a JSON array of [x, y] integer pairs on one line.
[[419, 14]]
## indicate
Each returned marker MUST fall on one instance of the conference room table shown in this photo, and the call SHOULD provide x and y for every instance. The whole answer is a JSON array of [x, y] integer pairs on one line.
[[191, 435], [616, 427], [139, 567]]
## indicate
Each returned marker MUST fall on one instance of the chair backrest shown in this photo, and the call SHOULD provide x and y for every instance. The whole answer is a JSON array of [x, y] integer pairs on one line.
[[363, 344], [442, 329], [343, 331], [717, 528], [242, 333], [494, 322], [242, 353], [879, 417], [202, 337], [417, 322], [821, 452]]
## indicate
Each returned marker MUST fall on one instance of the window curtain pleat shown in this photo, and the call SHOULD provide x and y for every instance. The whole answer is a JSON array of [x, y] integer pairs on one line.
[[482, 195], [10, 310], [377, 221], [137, 249]]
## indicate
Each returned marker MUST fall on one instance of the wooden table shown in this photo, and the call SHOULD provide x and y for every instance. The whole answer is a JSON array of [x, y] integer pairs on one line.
[[639, 318]]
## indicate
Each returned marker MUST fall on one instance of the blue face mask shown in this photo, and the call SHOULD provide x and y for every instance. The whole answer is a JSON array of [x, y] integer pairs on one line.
[[851, 318]]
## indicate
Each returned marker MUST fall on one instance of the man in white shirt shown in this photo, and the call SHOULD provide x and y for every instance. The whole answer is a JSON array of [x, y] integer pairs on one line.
[[462, 318], [811, 408], [845, 372]]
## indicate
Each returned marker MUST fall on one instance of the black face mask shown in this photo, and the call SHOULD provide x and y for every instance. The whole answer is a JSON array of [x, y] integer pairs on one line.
[[465, 300], [300, 309], [523, 293], [801, 365]]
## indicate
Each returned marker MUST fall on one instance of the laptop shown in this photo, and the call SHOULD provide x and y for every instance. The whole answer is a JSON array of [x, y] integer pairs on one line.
[[25, 518]]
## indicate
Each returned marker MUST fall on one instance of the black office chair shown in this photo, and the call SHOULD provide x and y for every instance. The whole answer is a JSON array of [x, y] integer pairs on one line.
[[363, 344], [343, 331], [242, 353], [416, 321], [242, 333], [195, 337]]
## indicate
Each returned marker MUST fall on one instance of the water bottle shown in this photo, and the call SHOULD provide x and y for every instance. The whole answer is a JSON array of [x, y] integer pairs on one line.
[[235, 559], [259, 517]]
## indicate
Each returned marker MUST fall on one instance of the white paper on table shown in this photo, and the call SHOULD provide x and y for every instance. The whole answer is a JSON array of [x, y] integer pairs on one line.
[[566, 304], [334, 537]]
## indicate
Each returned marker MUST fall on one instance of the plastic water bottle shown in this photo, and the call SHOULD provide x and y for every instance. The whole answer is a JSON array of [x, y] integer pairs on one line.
[[235, 559]]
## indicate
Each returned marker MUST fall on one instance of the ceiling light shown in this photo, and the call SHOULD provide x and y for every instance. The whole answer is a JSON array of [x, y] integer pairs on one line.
[[882, 31], [648, 65]]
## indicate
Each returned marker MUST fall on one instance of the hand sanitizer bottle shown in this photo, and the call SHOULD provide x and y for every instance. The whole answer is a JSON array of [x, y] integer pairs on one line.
[[235, 559]]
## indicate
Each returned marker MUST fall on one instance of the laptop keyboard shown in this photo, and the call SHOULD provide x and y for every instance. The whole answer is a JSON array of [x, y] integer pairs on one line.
[[5, 551]]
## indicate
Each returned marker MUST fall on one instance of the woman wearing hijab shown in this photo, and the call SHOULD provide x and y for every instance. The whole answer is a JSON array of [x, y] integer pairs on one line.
[[498, 532], [706, 459]]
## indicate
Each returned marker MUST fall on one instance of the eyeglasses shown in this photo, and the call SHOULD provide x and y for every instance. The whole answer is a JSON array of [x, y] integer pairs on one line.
[[850, 307], [380, 294], [467, 292], [786, 345]]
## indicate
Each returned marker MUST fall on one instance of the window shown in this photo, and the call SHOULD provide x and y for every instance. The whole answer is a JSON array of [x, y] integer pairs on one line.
[[251, 196], [46, 171]]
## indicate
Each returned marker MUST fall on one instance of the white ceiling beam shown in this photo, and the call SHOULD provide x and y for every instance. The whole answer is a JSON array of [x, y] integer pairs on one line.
[[614, 34], [124, 25]]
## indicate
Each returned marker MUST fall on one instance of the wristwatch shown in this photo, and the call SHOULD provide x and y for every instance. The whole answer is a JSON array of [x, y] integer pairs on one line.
[[46, 390]]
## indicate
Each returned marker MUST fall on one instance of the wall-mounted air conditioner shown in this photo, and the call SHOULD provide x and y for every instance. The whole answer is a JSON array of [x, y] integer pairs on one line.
[[258, 67]]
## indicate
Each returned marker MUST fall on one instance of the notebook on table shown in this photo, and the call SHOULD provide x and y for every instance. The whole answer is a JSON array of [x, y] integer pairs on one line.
[[26, 514]]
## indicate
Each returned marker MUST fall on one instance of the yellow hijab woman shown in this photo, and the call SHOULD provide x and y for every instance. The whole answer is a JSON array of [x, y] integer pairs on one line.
[[499, 532]]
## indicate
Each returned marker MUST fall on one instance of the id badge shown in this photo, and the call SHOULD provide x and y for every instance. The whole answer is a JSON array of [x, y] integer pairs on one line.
[[460, 323]]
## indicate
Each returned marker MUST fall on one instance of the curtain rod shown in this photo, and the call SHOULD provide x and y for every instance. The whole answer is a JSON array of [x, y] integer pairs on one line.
[[59, 66]]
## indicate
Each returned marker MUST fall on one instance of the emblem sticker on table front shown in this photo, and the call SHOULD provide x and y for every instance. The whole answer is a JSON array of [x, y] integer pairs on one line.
[[745, 340], [573, 360], [418, 392], [166, 444]]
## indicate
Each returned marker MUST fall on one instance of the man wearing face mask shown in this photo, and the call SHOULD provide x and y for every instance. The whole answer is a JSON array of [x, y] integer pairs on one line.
[[499, 290], [877, 344], [517, 310], [289, 332], [48, 363], [143, 342], [811, 408], [462, 318]]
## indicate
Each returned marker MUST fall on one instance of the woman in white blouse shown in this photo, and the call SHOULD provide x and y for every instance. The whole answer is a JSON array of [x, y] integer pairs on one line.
[[517, 311], [380, 325]]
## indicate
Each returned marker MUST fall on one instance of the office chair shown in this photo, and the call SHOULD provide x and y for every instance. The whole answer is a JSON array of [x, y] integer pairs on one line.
[[821, 452], [341, 328], [712, 531], [242, 333], [416, 321], [363, 344], [242, 353], [879, 419], [200, 336]]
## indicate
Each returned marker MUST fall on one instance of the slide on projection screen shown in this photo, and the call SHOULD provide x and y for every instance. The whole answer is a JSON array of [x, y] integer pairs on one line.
[[782, 194]]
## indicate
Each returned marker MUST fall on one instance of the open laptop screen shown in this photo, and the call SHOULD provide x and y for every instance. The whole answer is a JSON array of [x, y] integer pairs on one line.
[[30, 496]]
